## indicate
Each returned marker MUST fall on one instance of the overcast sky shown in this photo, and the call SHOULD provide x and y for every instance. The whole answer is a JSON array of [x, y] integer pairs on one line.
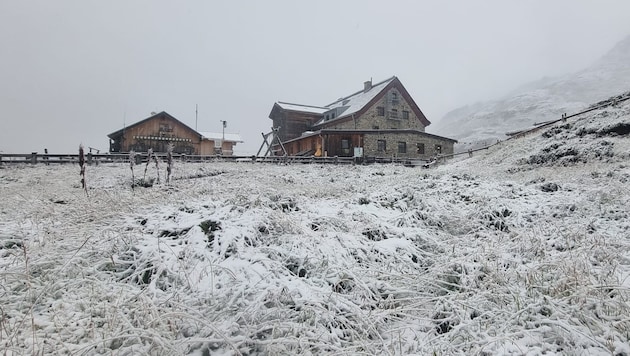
[[72, 72]]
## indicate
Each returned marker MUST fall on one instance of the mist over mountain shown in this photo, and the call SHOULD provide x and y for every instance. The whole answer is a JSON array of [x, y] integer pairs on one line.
[[538, 101]]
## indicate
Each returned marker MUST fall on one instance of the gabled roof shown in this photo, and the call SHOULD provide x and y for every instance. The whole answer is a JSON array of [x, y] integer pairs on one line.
[[361, 101], [115, 134], [356, 103], [218, 136], [353, 103]]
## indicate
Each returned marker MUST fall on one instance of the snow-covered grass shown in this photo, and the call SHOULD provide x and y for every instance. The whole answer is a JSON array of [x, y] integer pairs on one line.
[[521, 250]]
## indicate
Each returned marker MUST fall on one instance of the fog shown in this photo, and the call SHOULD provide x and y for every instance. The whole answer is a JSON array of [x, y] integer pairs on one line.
[[72, 72]]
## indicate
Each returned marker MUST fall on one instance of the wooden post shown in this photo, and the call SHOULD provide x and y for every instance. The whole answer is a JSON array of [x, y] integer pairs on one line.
[[34, 157]]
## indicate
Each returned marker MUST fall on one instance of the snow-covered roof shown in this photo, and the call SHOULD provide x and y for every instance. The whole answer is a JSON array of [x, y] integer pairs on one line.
[[303, 108], [343, 106], [358, 100], [232, 137]]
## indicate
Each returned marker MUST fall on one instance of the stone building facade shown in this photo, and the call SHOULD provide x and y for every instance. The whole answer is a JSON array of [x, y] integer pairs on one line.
[[384, 114], [406, 145], [382, 120]]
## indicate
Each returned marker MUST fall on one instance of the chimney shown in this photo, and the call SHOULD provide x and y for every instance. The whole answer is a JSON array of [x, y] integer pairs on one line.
[[367, 85]]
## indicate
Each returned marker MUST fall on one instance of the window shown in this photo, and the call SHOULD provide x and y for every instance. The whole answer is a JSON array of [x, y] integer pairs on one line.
[[438, 149], [345, 146], [421, 148], [380, 110], [402, 147], [393, 114], [381, 145], [394, 97], [405, 114]]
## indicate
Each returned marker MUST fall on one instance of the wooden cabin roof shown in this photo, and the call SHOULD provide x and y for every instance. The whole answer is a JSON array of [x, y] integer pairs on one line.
[[162, 114]]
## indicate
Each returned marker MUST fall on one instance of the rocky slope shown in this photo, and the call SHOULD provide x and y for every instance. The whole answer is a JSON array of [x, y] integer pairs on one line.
[[540, 101]]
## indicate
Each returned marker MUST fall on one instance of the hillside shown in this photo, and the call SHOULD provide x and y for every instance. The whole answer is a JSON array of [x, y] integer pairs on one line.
[[522, 249], [540, 101]]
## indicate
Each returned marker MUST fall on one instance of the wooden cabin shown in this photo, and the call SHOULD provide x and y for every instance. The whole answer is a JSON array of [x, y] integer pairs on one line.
[[159, 130]]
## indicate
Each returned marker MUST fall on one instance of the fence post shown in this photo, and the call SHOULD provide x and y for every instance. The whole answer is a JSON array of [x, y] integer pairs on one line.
[[89, 158], [33, 157]]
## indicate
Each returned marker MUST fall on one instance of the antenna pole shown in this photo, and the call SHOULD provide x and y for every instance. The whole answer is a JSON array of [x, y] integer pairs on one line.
[[224, 123], [122, 140], [196, 115]]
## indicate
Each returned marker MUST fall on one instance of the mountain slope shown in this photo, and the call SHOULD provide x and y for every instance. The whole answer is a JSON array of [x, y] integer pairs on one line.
[[540, 101]]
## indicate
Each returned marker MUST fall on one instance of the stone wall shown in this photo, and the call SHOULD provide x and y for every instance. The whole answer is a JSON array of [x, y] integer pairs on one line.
[[411, 140]]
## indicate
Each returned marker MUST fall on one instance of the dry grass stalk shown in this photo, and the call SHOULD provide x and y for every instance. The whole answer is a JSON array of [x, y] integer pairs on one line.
[[82, 165], [146, 166], [157, 168], [132, 162], [169, 161]]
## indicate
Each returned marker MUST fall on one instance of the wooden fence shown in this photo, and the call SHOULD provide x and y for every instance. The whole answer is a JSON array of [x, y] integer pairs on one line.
[[538, 126], [541, 125], [90, 158]]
